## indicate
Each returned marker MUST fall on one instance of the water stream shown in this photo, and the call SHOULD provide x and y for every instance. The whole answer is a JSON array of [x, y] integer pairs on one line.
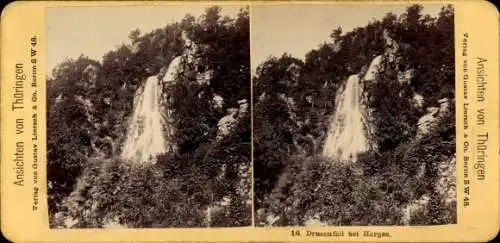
[[145, 138], [346, 136]]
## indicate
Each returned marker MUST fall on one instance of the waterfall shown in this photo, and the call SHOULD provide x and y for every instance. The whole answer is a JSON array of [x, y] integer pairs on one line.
[[346, 136], [145, 138], [149, 131]]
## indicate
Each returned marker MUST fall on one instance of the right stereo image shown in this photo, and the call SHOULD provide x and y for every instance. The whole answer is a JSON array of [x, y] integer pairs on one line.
[[353, 114]]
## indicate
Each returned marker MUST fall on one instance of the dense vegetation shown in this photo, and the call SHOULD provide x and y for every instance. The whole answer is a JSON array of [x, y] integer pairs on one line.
[[90, 102], [294, 99]]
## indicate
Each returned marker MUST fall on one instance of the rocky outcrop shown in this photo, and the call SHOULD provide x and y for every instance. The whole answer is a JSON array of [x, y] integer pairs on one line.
[[445, 189], [243, 107], [413, 208], [418, 100], [231, 119], [446, 184], [218, 101], [187, 64], [432, 117], [227, 123], [373, 69], [315, 221]]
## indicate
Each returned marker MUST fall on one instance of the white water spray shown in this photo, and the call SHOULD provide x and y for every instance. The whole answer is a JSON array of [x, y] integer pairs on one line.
[[145, 138], [147, 132], [346, 136]]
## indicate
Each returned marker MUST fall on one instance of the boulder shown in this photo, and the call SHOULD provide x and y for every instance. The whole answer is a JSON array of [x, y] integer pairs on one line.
[[226, 123], [432, 117], [243, 109], [418, 100], [218, 101]]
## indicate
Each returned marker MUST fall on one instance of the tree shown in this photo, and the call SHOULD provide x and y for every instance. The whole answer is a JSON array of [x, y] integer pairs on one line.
[[134, 35], [336, 34]]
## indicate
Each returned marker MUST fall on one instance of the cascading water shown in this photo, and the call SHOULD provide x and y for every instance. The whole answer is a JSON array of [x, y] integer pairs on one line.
[[148, 131], [145, 138], [346, 135]]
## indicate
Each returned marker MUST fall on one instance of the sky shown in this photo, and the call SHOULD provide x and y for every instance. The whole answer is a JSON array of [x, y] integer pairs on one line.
[[276, 29], [94, 31], [298, 29]]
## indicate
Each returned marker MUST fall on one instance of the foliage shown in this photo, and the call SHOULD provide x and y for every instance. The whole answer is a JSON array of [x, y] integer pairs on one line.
[[371, 191], [88, 110], [294, 184]]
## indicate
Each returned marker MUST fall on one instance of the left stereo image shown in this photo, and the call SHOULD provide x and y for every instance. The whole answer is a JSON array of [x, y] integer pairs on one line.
[[148, 116]]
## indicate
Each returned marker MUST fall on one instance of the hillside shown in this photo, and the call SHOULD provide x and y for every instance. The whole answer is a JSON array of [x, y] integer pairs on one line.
[[362, 131], [144, 138]]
